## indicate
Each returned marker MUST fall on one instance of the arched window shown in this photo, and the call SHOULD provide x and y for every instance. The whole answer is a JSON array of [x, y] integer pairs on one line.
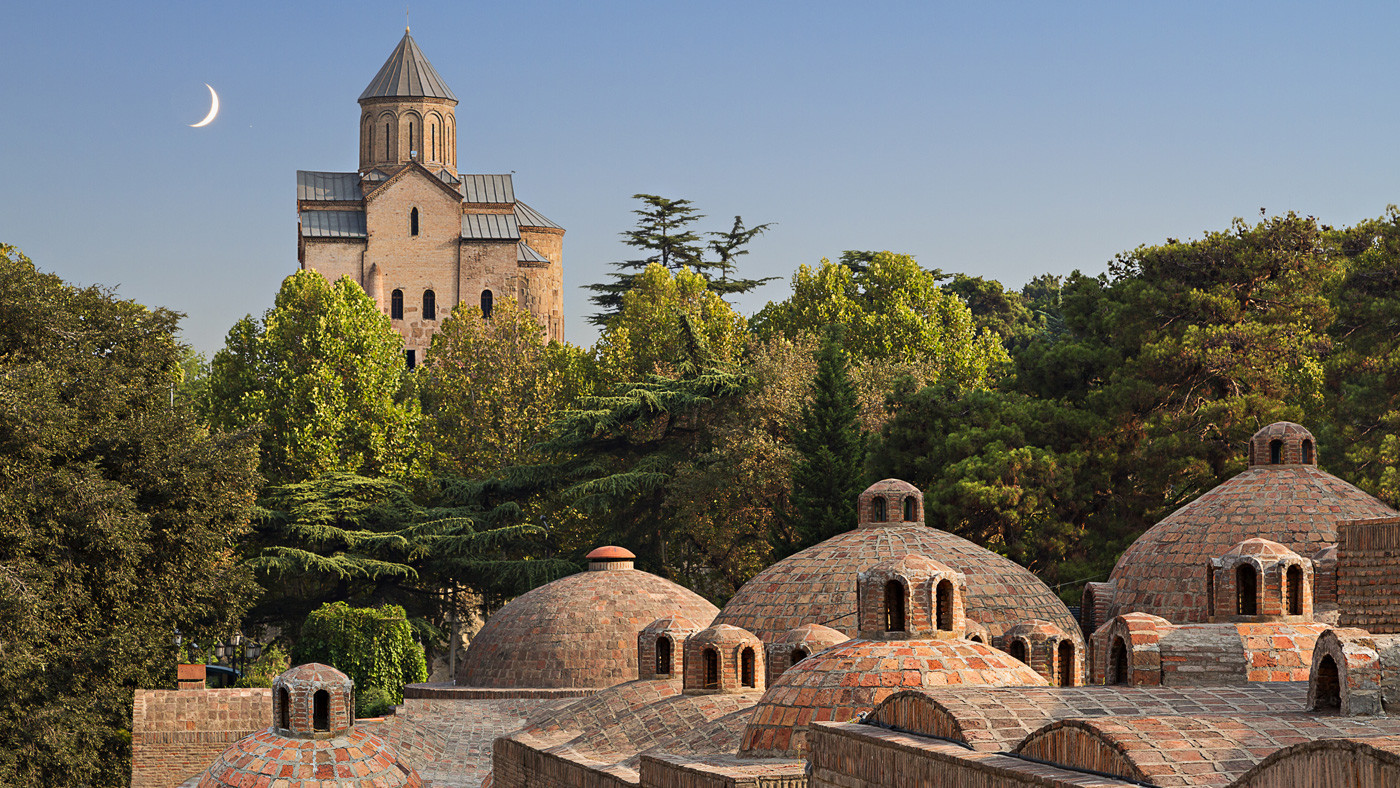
[[911, 509], [321, 711], [434, 142], [663, 656], [1294, 584], [1118, 663], [943, 605], [396, 305], [413, 222], [284, 708], [894, 606], [746, 668], [975, 638], [1275, 452], [1329, 685], [798, 654], [411, 358], [1307, 452], [1246, 590], [388, 154], [1064, 654], [877, 510], [429, 305], [1017, 649], [486, 303], [411, 150], [711, 669]]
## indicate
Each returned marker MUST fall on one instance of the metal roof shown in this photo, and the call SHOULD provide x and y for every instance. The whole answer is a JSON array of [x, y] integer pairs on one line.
[[524, 254], [447, 177], [529, 217], [487, 189], [333, 224], [490, 227], [328, 186], [407, 74]]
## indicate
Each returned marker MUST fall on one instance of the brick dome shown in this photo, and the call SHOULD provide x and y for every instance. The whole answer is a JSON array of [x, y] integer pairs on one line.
[[1293, 503], [818, 585], [313, 738], [795, 645], [847, 680], [577, 632]]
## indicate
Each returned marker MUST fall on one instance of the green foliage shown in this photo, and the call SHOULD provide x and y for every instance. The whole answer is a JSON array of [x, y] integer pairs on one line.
[[374, 646], [664, 234], [118, 518], [828, 473], [270, 664], [489, 388], [668, 319], [373, 702], [323, 375]]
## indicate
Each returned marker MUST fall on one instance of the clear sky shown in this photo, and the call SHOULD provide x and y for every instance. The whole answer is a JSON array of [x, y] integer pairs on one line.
[[1000, 139]]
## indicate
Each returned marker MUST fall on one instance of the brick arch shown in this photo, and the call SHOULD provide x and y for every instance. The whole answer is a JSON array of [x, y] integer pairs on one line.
[[434, 125], [1140, 634], [388, 122], [1358, 670], [1079, 744], [920, 713], [1327, 763], [414, 119]]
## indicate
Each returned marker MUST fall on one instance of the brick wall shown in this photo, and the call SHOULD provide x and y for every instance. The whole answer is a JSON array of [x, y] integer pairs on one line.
[[1368, 585], [516, 765], [176, 734], [666, 770]]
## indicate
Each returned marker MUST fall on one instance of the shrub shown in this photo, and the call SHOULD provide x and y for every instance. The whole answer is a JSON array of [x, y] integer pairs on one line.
[[373, 646]]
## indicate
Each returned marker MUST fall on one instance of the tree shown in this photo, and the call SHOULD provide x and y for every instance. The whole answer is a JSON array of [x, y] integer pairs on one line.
[[668, 319], [323, 375], [374, 646], [664, 232], [829, 471], [1003, 312], [489, 388], [118, 519]]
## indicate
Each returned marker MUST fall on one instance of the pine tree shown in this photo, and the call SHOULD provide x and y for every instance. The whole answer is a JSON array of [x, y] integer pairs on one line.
[[662, 231], [828, 474], [728, 246]]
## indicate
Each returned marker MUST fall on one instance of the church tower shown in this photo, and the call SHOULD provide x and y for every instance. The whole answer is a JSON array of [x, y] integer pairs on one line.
[[420, 237], [406, 114]]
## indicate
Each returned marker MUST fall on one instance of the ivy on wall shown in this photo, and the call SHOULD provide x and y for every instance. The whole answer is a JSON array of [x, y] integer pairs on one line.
[[374, 646]]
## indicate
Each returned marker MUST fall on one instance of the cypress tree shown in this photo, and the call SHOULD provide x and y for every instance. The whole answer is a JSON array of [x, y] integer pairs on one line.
[[828, 474]]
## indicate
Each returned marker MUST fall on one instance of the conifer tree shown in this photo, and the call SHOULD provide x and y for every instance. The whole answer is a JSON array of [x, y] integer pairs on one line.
[[727, 247], [828, 475]]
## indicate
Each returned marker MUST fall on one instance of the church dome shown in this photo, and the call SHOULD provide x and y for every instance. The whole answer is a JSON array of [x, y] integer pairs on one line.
[[312, 739], [847, 680], [580, 631], [818, 585], [1282, 497]]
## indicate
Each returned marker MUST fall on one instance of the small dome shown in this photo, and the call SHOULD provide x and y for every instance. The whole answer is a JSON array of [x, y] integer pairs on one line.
[[890, 502], [850, 679], [798, 644], [1282, 443], [661, 646], [1263, 549], [1295, 504], [313, 738], [610, 558], [577, 632], [1034, 629], [723, 658], [912, 596]]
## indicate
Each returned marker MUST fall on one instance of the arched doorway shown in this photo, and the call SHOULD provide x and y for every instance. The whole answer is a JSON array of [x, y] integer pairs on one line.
[[1064, 657], [711, 669], [1118, 663], [943, 605], [1329, 685], [1294, 585]]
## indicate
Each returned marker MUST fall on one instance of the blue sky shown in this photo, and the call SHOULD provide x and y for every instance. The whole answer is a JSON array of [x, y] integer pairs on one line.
[[1000, 139]]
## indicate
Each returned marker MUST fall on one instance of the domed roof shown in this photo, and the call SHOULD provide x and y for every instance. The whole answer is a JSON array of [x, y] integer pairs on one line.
[[577, 632], [1295, 504], [1263, 549], [818, 585], [810, 633], [849, 679]]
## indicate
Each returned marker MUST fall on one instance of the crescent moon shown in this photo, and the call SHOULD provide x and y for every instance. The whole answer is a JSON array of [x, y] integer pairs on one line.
[[213, 109]]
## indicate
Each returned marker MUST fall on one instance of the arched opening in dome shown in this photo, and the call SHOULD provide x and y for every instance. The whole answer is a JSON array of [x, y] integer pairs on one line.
[[1246, 590], [1294, 584], [943, 605], [1087, 623], [911, 509], [1118, 662], [1017, 650], [894, 606], [746, 667], [877, 510], [798, 654], [975, 638], [1210, 590], [413, 222], [711, 659], [1275, 452], [663, 656], [1329, 685], [1307, 451], [487, 301], [284, 708], [321, 711], [429, 305], [396, 305], [1064, 656]]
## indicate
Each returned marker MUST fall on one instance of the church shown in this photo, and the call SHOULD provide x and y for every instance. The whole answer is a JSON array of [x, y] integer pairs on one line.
[[418, 235]]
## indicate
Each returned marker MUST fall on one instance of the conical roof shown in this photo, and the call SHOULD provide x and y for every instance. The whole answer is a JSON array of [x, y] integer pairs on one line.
[[407, 74]]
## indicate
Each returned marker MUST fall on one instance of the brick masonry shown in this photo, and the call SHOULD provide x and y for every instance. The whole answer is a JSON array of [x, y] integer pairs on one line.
[[176, 734], [1368, 585]]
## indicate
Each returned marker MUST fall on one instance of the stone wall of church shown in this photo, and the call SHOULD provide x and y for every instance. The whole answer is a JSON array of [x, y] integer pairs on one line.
[[176, 734], [335, 258], [545, 284]]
